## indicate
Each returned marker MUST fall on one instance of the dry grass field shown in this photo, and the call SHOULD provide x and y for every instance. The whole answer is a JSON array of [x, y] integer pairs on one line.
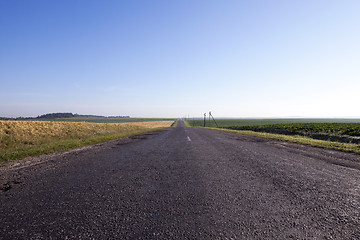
[[28, 138]]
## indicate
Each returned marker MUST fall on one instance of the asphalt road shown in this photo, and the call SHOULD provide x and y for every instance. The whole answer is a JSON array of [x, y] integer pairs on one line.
[[183, 183]]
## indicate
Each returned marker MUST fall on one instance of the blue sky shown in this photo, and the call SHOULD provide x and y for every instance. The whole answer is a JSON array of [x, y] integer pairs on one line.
[[175, 58]]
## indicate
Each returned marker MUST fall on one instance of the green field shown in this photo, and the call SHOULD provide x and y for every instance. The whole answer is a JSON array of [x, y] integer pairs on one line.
[[336, 133], [254, 122]]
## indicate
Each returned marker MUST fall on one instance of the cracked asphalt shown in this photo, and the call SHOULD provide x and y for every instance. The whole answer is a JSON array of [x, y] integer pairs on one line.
[[183, 183]]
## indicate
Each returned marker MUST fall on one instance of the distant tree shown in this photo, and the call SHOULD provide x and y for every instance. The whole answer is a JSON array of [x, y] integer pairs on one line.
[[56, 115]]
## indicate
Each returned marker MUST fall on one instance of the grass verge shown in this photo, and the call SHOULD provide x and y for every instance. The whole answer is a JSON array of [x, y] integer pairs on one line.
[[175, 124], [187, 124], [345, 147], [21, 139]]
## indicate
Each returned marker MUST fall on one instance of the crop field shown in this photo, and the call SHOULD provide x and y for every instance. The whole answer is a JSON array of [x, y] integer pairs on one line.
[[106, 120], [339, 132], [253, 122], [28, 138]]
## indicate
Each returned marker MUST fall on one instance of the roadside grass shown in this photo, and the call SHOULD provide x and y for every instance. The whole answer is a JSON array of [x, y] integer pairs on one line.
[[345, 147], [175, 124], [19, 139], [187, 124]]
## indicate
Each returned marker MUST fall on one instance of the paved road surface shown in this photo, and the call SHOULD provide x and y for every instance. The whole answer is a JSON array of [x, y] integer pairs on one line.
[[183, 183]]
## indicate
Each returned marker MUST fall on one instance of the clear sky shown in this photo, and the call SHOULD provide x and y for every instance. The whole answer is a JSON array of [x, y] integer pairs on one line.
[[254, 58]]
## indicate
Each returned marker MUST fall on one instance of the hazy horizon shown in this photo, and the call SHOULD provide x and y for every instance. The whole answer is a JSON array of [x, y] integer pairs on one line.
[[238, 59], [197, 117]]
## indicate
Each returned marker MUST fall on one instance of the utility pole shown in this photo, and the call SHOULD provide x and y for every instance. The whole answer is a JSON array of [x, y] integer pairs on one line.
[[204, 119], [209, 119], [213, 119]]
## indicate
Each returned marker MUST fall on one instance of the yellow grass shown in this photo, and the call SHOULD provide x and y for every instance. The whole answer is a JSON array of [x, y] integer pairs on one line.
[[24, 138]]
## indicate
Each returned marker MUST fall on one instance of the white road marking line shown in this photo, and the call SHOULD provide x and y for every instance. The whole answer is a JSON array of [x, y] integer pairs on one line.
[[189, 139]]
